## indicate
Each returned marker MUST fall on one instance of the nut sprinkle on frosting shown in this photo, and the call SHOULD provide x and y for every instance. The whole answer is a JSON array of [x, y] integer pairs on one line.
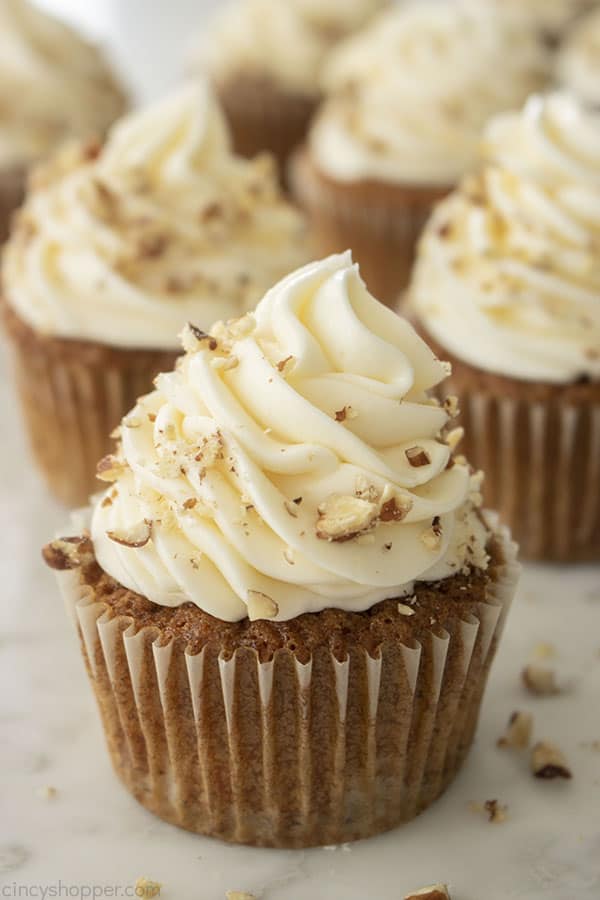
[[284, 505]]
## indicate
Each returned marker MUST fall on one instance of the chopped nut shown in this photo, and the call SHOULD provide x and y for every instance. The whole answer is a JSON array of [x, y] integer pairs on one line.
[[366, 491], [548, 762], [193, 337], [405, 610], [451, 406], [261, 606], [454, 437], [340, 415], [211, 450], [396, 509], [342, 518], [147, 889], [540, 680], [288, 555], [68, 553], [417, 457], [432, 538], [496, 811], [239, 895], [48, 792], [291, 508], [518, 731], [135, 537], [132, 422], [286, 365], [110, 468], [190, 503], [433, 892]]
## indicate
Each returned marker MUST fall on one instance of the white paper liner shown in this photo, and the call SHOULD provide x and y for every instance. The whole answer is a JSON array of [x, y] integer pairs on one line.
[[185, 739], [542, 470]]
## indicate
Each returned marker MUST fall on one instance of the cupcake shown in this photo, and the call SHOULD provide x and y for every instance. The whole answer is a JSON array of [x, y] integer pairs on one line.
[[288, 597], [506, 286], [408, 101], [549, 19], [578, 63], [53, 85], [115, 249], [265, 59]]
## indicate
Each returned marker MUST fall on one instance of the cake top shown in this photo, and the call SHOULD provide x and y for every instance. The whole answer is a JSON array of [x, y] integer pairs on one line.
[[123, 244], [508, 273], [53, 85], [292, 462], [578, 65], [410, 95], [286, 41]]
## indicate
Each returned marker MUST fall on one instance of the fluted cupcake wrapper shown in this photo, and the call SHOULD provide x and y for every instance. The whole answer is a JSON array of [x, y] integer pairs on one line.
[[286, 753], [381, 223], [12, 192], [542, 466], [73, 394], [263, 117]]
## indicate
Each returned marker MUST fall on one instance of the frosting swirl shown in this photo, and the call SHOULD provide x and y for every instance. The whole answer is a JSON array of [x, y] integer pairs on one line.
[[53, 84], [508, 277], [410, 95], [287, 42], [292, 462], [550, 18], [163, 226], [578, 64]]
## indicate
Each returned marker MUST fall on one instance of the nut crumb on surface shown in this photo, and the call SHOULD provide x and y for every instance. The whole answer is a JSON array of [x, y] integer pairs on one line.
[[433, 892], [540, 680], [146, 888], [239, 895], [496, 811], [47, 792], [549, 762], [545, 650], [518, 731]]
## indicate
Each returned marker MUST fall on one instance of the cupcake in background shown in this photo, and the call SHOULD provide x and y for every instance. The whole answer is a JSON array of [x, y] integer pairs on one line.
[[265, 59], [549, 19], [578, 63], [53, 85], [115, 249], [507, 287], [408, 100], [289, 597]]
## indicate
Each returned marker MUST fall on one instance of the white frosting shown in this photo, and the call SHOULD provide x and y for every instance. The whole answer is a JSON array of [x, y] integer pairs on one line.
[[241, 515], [550, 17], [283, 40], [53, 84], [508, 277], [411, 94], [578, 65], [166, 225]]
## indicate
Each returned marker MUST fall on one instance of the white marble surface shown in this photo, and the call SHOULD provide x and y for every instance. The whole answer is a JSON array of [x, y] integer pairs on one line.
[[92, 833]]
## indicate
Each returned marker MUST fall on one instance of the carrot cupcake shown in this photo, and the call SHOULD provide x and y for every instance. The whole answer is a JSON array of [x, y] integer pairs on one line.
[[578, 63], [265, 58], [408, 101], [507, 286], [289, 597], [53, 85], [115, 249]]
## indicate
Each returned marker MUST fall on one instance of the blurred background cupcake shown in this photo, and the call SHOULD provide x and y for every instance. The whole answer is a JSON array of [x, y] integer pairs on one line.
[[115, 249], [314, 592], [265, 59], [578, 64], [549, 19], [408, 100], [53, 85], [507, 286]]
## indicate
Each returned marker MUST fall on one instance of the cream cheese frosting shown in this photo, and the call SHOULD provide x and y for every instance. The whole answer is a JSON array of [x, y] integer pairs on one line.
[[508, 274], [578, 65], [165, 225], [286, 41], [53, 85], [410, 95], [549, 17], [292, 462]]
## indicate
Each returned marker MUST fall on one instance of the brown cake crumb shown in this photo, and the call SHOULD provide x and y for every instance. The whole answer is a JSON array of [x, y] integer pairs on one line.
[[496, 811], [433, 892]]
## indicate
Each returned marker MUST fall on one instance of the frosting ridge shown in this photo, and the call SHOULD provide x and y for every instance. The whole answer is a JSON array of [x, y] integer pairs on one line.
[[293, 455]]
